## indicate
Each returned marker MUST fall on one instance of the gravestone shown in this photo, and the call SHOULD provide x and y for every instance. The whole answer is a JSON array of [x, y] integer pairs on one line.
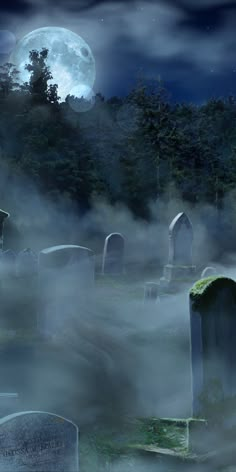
[[35, 441], [26, 263], [66, 280], [151, 291], [113, 255], [180, 263], [3, 216], [213, 347], [208, 272]]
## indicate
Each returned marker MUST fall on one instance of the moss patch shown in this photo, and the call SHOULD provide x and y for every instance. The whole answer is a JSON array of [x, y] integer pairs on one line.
[[204, 291]]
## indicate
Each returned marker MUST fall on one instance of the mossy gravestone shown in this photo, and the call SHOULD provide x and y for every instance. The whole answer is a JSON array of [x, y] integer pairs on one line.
[[37, 441], [213, 346]]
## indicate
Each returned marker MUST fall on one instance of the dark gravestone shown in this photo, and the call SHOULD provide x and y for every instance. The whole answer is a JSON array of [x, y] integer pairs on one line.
[[38, 442], [180, 263], [213, 347], [3, 216], [113, 255], [66, 279]]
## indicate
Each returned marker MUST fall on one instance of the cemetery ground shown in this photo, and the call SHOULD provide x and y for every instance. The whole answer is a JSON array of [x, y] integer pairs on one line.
[[120, 441], [141, 360]]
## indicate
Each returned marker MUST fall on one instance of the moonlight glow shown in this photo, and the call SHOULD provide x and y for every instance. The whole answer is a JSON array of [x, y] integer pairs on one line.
[[70, 59]]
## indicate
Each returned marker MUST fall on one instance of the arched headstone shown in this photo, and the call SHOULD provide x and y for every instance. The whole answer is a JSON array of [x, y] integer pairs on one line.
[[38, 441], [113, 254], [213, 331], [66, 278], [208, 272], [180, 262]]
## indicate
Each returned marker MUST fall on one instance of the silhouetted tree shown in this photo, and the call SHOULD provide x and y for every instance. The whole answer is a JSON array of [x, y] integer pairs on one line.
[[9, 77], [40, 91]]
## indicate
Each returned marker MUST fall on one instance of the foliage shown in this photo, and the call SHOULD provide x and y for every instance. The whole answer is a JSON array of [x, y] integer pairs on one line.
[[133, 150]]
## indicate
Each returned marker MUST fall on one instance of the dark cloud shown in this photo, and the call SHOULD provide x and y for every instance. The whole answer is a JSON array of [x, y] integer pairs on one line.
[[16, 6]]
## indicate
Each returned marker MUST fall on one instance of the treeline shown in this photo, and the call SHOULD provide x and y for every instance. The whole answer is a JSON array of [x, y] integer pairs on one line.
[[132, 150]]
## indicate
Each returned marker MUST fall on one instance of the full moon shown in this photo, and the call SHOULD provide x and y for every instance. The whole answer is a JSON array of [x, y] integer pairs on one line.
[[70, 59]]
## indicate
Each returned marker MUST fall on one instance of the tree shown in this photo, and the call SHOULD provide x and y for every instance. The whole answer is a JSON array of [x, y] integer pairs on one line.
[[8, 79], [41, 92]]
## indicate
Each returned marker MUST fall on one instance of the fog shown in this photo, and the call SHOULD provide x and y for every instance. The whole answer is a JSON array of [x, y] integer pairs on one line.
[[113, 355]]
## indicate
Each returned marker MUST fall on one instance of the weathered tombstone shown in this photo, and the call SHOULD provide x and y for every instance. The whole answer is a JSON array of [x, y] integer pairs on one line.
[[151, 291], [3, 216], [8, 263], [113, 254], [180, 264], [35, 441], [66, 278], [208, 272], [26, 263], [213, 347]]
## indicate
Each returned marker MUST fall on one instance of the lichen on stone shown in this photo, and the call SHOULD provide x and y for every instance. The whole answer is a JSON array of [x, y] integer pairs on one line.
[[204, 290]]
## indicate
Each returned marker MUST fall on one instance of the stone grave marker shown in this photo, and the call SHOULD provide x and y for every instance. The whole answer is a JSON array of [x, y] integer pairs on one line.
[[35, 441], [208, 272], [213, 347], [180, 262], [66, 280], [151, 291], [113, 255]]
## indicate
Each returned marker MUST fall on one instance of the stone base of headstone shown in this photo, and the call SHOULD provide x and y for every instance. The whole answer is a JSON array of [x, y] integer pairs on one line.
[[179, 273], [182, 435], [177, 444]]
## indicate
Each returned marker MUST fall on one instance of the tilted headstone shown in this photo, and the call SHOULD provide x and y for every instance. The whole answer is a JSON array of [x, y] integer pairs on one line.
[[26, 263], [66, 279], [208, 272], [113, 254], [3, 216], [180, 262], [35, 441], [213, 347], [151, 291]]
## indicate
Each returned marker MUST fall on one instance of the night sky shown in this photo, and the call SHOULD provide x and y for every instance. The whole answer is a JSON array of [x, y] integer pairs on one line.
[[190, 44]]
